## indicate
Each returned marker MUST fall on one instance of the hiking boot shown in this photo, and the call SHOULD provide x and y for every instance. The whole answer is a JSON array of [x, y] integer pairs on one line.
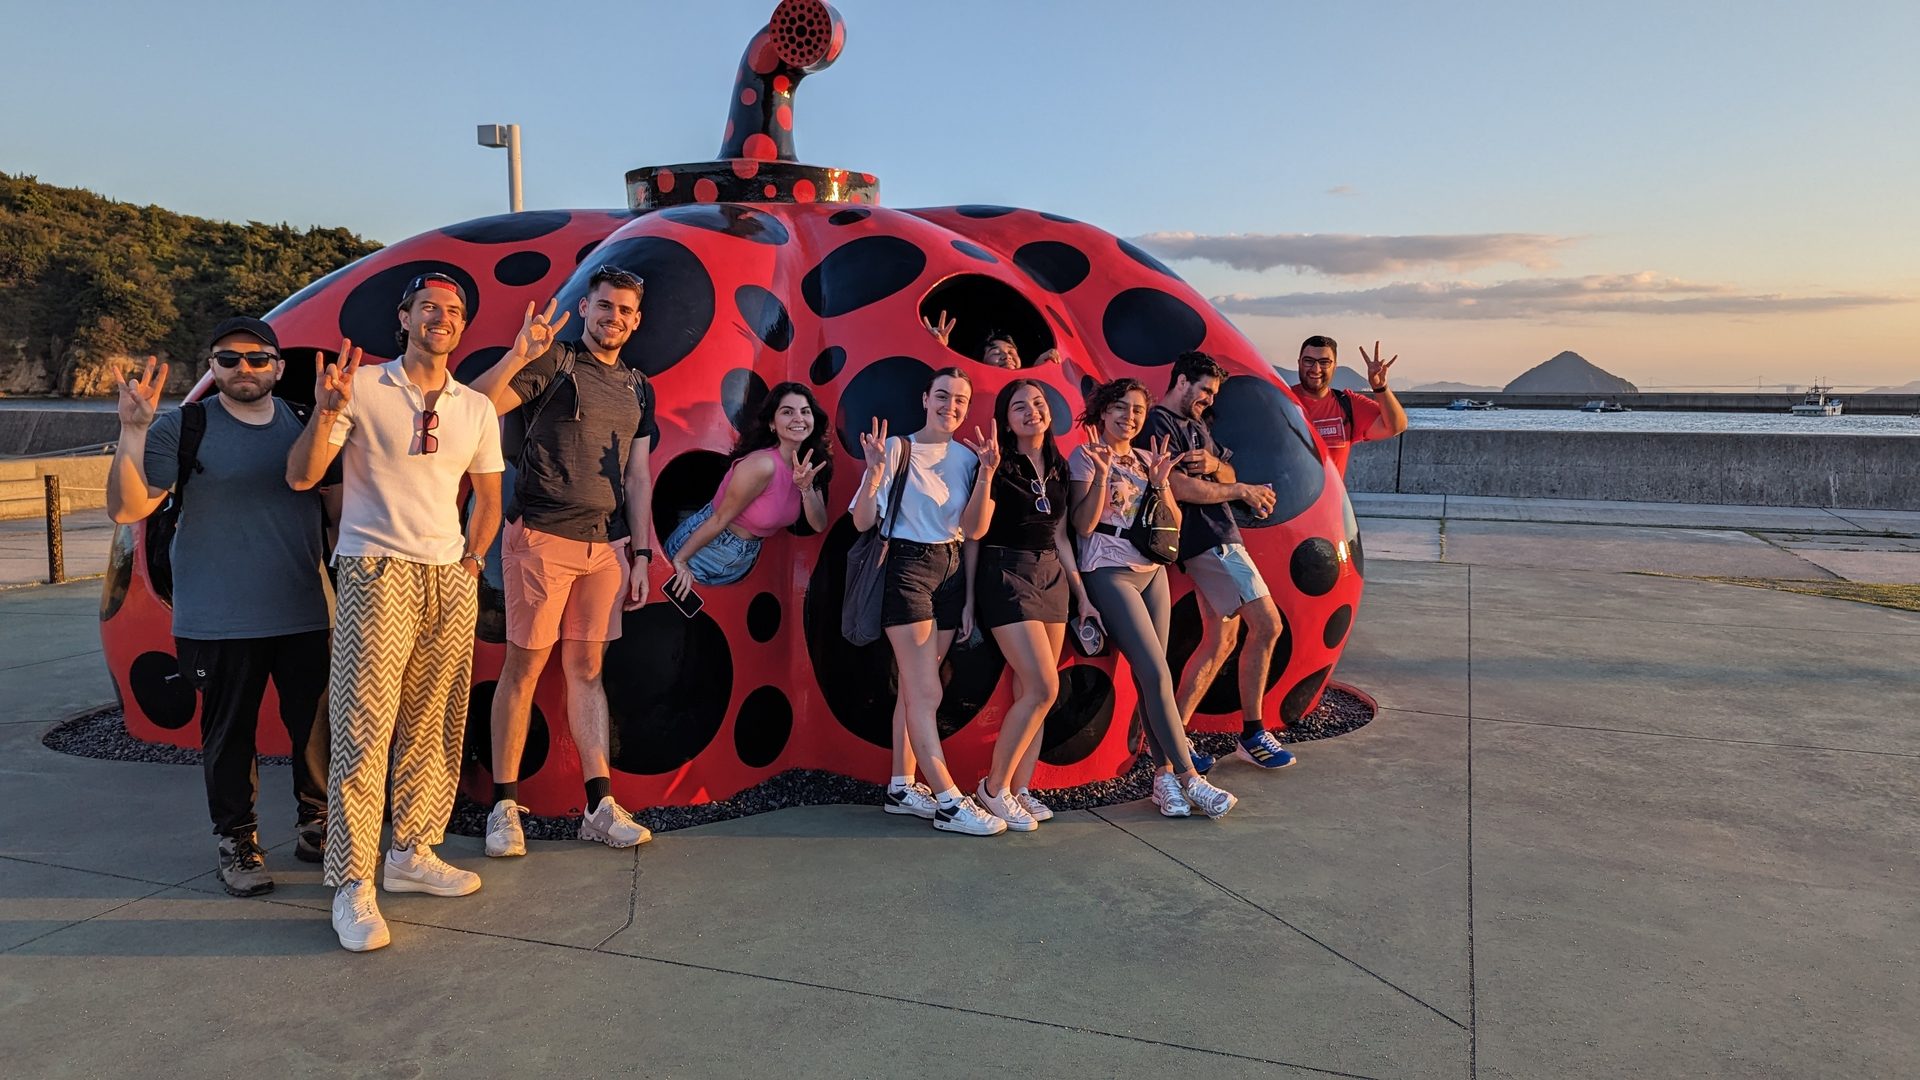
[[420, 870], [1007, 809], [1169, 796], [1208, 799], [612, 826], [504, 836], [310, 841], [356, 918], [243, 866]]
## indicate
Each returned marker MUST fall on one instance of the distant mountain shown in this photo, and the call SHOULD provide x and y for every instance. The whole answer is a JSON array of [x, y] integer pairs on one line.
[[1569, 373], [1453, 388], [1344, 378], [1907, 388]]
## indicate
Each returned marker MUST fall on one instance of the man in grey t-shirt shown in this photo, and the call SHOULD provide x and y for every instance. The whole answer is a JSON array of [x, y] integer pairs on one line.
[[250, 595]]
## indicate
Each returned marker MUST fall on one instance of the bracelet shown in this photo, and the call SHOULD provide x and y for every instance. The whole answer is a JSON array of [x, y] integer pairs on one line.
[[478, 559]]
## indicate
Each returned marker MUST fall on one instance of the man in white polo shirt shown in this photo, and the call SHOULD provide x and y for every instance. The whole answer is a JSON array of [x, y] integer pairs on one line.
[[406, 434]]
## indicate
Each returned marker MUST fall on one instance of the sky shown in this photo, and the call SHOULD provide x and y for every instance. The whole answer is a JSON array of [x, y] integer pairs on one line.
[[1696, 194]]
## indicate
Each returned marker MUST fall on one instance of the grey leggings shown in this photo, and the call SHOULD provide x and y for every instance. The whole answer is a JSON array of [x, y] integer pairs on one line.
[[1136, 609]]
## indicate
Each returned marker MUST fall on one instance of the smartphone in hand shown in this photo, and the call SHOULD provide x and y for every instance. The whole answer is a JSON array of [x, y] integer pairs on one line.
[[690, 606]]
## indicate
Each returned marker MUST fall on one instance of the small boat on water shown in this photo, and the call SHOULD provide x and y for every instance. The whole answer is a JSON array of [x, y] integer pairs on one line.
[[1461, 404], [1603, 405], [1818, 403]]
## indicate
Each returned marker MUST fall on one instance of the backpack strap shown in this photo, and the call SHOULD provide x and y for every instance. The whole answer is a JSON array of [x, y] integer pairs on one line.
[[898, 488], [1346, 408], [193, 430]]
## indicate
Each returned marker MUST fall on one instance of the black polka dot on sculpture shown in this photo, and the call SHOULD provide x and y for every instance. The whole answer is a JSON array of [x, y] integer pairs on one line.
[[1302, 697], [827, 365], [741, 394], [1088, 384], [1081, 715], [974, 251], [1357, 556], [683, 485], [982, 210], [522, 268], [1352, 523], [848, 216], [972, 675], [668, 681], [729, 218], [1146, 260], [856, 682], [161, 690], [1338, 624], [888, 389], [761, 728], [676, 312], [1223, 695], [308, 293], [478, 363], [763, 617], [1149, 328], [1315, 566], [586, 250], [1271, 444], [509, 228], [370, 315], [477, 748], [765, 315], [861, 272], [1061, 321], [1061, 218], [120, 558], [1054, 266]]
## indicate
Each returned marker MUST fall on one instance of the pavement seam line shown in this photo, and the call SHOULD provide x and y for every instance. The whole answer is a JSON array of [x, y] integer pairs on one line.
[[1699, 622], [1473, 981], [633, 902], [1383, 980], [1700, 738], [79, 922], [51, 660]]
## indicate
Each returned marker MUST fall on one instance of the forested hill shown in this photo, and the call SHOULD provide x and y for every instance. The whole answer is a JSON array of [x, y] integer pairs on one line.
[[87, 282]]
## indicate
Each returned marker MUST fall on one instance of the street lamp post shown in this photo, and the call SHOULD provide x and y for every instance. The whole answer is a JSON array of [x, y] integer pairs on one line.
[[508, 136]]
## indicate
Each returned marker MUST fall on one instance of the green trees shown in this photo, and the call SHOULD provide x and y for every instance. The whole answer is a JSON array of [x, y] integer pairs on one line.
[[87, 283]]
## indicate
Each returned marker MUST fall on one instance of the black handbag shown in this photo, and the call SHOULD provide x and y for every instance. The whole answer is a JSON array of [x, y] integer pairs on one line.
[[867, 566], [1153, 531]]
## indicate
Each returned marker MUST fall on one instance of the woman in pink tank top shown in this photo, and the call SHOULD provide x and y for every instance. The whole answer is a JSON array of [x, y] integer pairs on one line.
[[780, 470]]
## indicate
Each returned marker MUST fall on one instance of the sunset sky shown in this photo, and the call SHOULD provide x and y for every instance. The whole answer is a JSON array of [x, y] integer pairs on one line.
[[1686, 194]]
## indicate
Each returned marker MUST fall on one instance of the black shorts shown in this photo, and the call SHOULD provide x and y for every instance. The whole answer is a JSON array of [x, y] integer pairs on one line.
[[925, 583], [1014, 586]]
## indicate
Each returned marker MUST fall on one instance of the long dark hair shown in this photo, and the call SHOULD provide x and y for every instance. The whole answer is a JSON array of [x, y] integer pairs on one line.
[[1050, 459], [759, 434]]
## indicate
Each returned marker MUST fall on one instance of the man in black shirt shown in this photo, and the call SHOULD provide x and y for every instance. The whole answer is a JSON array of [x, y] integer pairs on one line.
[[575, 553], [1227, 583]]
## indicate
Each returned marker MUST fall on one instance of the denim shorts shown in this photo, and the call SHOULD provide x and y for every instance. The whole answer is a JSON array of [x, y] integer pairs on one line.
[[925, 583], [724, 559]]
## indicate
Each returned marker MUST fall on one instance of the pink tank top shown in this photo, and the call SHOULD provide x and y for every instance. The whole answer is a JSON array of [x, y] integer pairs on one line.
[[776, 508]]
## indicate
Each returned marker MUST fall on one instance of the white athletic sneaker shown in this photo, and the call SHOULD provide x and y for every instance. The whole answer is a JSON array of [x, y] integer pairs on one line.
[[1168, 796], [1035, 809], [356, 918], [915, 799], [420, 870], [504, 836], [1008, 809], [1211, 801], [613, 826], [966, 816]]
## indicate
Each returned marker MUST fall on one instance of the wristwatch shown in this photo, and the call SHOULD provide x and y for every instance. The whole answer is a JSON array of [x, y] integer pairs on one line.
[[478, 560], [643, 553]]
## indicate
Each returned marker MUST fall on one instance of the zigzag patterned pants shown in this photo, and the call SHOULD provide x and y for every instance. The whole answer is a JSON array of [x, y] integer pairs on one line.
[[402, 673]]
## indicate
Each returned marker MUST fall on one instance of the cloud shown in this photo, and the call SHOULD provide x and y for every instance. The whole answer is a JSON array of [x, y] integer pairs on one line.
[[1342, 189], [1644, 293], [1344, 255]]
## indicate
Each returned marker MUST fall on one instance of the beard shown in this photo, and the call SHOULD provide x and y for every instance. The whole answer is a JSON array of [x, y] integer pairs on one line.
[[619, 339], [246, 393]]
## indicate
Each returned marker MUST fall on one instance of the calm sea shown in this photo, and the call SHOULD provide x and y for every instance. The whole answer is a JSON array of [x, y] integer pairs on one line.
[[1574, 420]]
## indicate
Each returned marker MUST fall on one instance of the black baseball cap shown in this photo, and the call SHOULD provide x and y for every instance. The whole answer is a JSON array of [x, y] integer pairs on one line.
[[240, 324], [434, 280]]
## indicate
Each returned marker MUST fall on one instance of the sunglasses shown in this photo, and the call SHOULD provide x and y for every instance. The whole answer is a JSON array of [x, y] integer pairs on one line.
[[1041, 503], [229, 358], [429, 423], [617, 277]]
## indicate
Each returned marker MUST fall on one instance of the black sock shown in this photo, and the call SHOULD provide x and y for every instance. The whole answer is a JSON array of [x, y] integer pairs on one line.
[[1250, 728], [508, 790], [597, 788]]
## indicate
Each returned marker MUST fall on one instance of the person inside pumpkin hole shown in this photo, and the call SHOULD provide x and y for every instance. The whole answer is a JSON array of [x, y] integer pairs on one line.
[[1000, 351]]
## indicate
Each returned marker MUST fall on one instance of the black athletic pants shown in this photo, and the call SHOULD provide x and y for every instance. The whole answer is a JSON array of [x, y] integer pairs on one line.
[[231, 676]]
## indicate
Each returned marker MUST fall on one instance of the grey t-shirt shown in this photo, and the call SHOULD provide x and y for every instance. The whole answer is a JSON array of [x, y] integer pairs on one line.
[[572, 470], [248, 553]]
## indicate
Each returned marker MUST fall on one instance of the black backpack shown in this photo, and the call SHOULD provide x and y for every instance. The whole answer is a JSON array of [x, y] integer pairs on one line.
[[1346, 408]]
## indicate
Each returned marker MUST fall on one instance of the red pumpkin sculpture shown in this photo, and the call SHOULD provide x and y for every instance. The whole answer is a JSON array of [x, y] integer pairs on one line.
[[760, 269]]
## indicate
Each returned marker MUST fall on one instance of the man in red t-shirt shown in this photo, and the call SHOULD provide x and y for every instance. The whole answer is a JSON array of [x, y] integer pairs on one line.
[[1341, 418]]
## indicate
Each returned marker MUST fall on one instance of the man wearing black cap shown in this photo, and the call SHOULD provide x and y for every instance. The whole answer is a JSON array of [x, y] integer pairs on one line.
[[250, 598]]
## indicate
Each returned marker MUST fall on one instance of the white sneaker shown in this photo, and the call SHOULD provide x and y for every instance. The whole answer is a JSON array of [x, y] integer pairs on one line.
[[356, 918], [613, 826], [1169, 797], [1035, 809], [1212, 801], [966, 816], [915, 799], [504, 836], [420, 870], [1007, 809]]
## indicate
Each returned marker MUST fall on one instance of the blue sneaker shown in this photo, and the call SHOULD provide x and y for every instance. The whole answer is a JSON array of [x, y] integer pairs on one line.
[[1263, 750], [1202, 763]]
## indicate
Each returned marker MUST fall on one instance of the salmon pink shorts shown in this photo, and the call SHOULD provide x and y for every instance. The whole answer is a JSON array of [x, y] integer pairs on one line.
[[559, 588]]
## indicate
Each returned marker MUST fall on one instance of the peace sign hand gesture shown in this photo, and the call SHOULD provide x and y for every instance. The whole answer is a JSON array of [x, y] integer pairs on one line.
[[941, 330], [1376, 370], [537, 332], [1159, 463], [1098, 451], [987, 451], [804, 470], [140, 398], [333, 385], [873, 447]]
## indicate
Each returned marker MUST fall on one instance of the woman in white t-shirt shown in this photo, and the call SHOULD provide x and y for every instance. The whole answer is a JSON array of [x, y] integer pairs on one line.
[[943, 502], [1110, 476]]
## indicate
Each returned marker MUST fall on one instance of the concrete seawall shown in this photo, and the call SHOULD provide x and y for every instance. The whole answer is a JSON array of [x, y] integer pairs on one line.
[[1863, 472]]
